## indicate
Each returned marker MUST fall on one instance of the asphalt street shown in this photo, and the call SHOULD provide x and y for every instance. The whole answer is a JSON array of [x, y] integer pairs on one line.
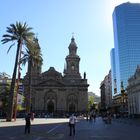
[[58, 129]]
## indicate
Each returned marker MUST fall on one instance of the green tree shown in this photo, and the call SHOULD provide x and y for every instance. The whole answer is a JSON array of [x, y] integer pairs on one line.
[[90, 102], [33, 57], [4, 95], [21, 34]]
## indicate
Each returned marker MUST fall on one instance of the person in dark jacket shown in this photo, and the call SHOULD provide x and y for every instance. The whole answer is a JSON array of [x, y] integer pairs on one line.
[[27, 123]]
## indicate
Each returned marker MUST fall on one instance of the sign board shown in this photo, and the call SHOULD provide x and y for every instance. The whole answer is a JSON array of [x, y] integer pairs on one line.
[[21, 88]]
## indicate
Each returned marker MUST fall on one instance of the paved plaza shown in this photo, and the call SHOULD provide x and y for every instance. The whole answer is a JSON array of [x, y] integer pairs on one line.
[[58, 129]]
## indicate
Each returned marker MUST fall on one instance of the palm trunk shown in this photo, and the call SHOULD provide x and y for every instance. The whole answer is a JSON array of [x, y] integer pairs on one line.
[[28, 104], [18, 81], [12, 87]]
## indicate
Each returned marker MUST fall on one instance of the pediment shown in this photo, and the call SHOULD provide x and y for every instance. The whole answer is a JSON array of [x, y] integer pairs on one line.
[[52, 73], [51, 82]]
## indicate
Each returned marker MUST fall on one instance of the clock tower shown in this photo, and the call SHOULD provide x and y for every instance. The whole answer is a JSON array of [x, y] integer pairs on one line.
[[71, 69]]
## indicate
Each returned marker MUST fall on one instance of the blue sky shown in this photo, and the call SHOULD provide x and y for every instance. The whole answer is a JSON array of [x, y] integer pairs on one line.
[[54, 21]]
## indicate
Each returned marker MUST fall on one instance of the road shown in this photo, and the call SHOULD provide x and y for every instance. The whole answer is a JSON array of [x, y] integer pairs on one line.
[[58, 129]]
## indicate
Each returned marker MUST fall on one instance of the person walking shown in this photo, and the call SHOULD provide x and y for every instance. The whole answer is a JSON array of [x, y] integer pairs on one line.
[[109, 118], [94, 117], [32, 116], [72, 122], [27, 123]]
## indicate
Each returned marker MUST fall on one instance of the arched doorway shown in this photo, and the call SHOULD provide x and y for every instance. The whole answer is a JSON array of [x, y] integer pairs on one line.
[[71, 108], [72, 103], [50, 107]]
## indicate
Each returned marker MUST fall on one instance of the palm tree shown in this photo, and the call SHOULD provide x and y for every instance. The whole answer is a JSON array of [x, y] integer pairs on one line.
[[19, 33], [34, 58]]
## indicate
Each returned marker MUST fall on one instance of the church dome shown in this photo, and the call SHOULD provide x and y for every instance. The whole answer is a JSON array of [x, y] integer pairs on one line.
[[72, 45]]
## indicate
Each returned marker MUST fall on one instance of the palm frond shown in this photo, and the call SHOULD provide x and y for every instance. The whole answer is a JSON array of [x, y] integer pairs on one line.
[[8, 38], [5, 40], [24, 60], [17, 31], [10, 47], [20, 68]]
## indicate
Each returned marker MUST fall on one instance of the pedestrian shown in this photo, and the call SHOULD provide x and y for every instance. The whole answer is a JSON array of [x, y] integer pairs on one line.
[[109, 118], [94, 117], [27, 123], [32, 116], [72, 122]]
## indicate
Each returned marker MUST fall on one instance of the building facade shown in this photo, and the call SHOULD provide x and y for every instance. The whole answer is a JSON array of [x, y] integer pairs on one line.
[[126, 24], [133, 91], [113, 72], [53, 92], [106, 92]]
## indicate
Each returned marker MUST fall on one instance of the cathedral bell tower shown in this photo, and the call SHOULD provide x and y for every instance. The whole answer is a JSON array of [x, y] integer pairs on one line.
[[36, 66], [71, 69]]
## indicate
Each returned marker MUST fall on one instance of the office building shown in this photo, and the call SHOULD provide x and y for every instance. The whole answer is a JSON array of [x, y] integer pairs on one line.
[[126, 25]]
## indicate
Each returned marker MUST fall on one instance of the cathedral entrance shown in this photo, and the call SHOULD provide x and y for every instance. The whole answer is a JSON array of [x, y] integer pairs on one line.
[[72, 108], [50, 107]]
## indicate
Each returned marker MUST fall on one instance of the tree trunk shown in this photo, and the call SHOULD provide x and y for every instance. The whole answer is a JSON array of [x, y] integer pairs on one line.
[[12, 87], [28, 98]]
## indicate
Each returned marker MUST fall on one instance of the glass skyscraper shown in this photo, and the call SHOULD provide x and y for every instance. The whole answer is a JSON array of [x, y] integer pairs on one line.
[[126, 25], [113, 71]]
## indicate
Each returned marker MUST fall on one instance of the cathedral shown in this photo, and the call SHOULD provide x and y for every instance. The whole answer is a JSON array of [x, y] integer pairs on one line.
[[52, 92]]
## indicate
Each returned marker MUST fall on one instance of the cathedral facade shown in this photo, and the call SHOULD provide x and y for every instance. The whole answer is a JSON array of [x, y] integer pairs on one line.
[[53, 92]]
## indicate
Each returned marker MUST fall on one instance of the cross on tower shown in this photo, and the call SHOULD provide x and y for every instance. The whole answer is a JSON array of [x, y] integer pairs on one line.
[[72, 34]]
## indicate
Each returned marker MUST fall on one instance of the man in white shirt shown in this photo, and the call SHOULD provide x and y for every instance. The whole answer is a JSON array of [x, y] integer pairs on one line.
[[72, 122]]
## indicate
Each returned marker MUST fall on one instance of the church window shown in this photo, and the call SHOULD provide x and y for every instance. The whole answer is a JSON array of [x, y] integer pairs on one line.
[[72, 67]]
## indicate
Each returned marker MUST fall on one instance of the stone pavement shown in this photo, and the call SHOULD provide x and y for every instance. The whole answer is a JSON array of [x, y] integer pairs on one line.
[[131, 121], [36, 121], [57, 129]]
